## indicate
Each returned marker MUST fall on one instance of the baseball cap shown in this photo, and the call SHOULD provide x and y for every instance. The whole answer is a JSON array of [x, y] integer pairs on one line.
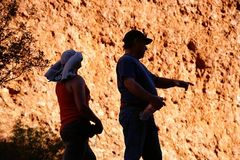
[[134, 35]]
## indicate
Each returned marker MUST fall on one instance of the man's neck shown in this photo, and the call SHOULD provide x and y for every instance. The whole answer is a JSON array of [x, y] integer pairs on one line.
[[129, 53]]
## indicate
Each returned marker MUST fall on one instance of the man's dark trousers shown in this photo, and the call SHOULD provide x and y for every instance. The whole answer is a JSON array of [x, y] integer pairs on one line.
[[141, 137]]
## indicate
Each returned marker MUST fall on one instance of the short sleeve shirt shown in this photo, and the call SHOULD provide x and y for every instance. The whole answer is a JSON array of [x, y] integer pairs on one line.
[[130, 67]]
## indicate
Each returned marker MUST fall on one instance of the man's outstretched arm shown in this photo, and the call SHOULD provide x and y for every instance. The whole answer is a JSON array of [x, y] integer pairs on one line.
[[164, 83]]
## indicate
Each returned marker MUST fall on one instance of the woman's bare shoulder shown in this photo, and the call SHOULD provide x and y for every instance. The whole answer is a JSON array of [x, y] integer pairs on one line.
[[75, 84], [77, 80]]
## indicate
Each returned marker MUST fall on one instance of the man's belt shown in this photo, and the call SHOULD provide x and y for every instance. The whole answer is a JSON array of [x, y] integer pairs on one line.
[[133, 104]]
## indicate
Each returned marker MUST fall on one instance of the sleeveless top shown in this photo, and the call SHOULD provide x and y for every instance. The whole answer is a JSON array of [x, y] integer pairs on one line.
[[68, 108]]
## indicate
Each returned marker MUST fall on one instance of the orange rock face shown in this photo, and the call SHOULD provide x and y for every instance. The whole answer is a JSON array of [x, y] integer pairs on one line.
[[196, 41]]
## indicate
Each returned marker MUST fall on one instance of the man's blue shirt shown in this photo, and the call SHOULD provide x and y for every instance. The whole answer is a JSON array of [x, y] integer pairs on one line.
[[130, 67]]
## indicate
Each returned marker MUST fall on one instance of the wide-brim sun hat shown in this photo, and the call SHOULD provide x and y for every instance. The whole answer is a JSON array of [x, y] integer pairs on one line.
[[65, 68]]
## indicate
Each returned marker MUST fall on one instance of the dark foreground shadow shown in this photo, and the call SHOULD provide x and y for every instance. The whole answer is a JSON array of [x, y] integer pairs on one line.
[[31, 144]]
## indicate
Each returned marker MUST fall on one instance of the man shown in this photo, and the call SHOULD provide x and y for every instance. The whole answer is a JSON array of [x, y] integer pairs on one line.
[[138, 86]]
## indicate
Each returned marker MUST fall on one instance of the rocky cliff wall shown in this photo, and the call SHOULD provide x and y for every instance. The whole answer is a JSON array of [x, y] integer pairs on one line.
[[197, 41]]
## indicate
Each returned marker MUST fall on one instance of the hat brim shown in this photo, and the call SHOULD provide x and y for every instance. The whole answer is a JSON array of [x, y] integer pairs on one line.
[[148, 41]]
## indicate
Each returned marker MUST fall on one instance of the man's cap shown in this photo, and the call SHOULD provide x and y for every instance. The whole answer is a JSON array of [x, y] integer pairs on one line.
[[135, 35]]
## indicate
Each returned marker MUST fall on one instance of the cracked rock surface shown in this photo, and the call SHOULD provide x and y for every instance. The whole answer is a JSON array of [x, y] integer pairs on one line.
[[196, 41]]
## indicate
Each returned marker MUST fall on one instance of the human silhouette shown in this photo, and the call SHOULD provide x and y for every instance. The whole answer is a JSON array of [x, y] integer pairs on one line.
[[73, 96], [137, 86]]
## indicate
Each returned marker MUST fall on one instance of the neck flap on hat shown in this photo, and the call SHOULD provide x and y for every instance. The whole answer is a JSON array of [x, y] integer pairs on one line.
[[66, 67]]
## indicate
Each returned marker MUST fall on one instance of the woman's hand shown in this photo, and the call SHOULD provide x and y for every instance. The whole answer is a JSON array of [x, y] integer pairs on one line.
[[98, 127]]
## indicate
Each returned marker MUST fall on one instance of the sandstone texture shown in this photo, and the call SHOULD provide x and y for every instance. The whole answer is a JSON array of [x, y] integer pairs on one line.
[[194, 40]]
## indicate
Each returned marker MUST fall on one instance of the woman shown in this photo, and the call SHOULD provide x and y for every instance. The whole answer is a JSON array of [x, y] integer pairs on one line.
[[73, 96]]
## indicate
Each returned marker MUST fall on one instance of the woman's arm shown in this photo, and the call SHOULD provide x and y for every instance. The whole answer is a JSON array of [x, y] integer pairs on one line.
[[79, 91]]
